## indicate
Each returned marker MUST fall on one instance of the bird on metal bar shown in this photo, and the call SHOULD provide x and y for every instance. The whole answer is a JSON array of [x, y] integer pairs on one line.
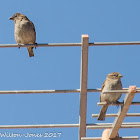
[[24, 31], [112, 82]]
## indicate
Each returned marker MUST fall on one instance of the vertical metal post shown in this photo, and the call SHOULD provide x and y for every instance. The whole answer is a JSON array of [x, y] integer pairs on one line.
[[83, 86]]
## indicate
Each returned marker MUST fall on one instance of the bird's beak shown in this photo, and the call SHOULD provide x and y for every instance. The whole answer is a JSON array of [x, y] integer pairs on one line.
[[120, 76], [11, 18]]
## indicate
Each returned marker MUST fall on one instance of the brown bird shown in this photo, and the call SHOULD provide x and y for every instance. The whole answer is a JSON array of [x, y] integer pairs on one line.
[[112, 82], [24, 31]]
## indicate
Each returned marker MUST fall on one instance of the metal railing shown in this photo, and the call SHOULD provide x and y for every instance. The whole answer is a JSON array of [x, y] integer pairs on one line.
[[83, 126]]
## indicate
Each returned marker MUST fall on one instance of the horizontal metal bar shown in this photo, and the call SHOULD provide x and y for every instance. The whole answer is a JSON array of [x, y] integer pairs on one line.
[[116, 115], [91, 138], [53, 91], [94, 90], [129, 138], [88, 126], [115, 91], [40, 45], [114, 43], [109, 125], [121, 138], [38, 91], [112, 104], [38, 126], [45, 91], [70, 44], [119, 91], [124, 90]]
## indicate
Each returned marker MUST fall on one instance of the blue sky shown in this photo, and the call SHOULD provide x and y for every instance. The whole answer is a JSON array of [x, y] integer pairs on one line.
[[59, 67]]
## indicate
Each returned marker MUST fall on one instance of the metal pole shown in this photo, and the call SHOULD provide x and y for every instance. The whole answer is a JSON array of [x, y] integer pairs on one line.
[[38, 126], [83, 93], [70, 44], [122, 112]]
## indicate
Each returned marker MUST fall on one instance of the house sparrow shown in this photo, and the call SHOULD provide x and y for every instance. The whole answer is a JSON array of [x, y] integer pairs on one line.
[[24, 31], [112, 82]]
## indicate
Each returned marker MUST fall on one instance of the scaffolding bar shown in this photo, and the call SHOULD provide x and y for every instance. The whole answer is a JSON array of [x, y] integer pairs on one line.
[[39, 91], [121, 138], [40, 45], [114, 104], [110, 125], [88, 126], [70, 44], [83, 86], [122, 112], [119, 91], [94, 90], [124, 90], [38, 126], [114, 43], [46, 91], [116, 115]]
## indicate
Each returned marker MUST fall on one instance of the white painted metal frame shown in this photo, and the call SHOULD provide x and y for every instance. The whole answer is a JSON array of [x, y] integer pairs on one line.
[[124, 90], [38, 126], [116, 115], [122, 112], [122, 138], [70, 44], [112, 104], [88, 126], [83, 94], [110, 125]]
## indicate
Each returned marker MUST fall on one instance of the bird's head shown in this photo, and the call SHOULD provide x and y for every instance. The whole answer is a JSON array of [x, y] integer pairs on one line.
[[114, 75], [18, 16]]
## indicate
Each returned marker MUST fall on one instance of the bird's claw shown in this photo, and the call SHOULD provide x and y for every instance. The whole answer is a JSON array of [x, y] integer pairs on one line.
[[35, 45], [19, 46], [117, 103], [106, 102]]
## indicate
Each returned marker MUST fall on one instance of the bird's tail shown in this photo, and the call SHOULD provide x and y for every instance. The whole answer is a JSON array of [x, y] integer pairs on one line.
[[30, 51], [102, 114]]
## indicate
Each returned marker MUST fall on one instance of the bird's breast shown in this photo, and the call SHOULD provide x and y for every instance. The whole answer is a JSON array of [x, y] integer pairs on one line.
[[24, 33]]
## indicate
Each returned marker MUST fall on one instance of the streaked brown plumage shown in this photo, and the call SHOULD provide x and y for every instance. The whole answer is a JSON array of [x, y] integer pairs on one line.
[[112, 82], [24, 31]]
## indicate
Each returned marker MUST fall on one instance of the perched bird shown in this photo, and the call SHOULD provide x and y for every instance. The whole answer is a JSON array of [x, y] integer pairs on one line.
[[24, 31], [112, 82]]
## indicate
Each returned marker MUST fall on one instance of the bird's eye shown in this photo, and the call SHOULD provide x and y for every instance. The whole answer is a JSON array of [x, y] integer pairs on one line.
[[115, 75]]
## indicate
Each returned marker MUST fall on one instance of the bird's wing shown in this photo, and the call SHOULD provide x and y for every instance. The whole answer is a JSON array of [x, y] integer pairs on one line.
[[102, 89], [33, 26]]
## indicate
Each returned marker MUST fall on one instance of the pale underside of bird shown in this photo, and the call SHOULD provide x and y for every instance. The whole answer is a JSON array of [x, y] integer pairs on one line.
[[24, 31], [112, 82]]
